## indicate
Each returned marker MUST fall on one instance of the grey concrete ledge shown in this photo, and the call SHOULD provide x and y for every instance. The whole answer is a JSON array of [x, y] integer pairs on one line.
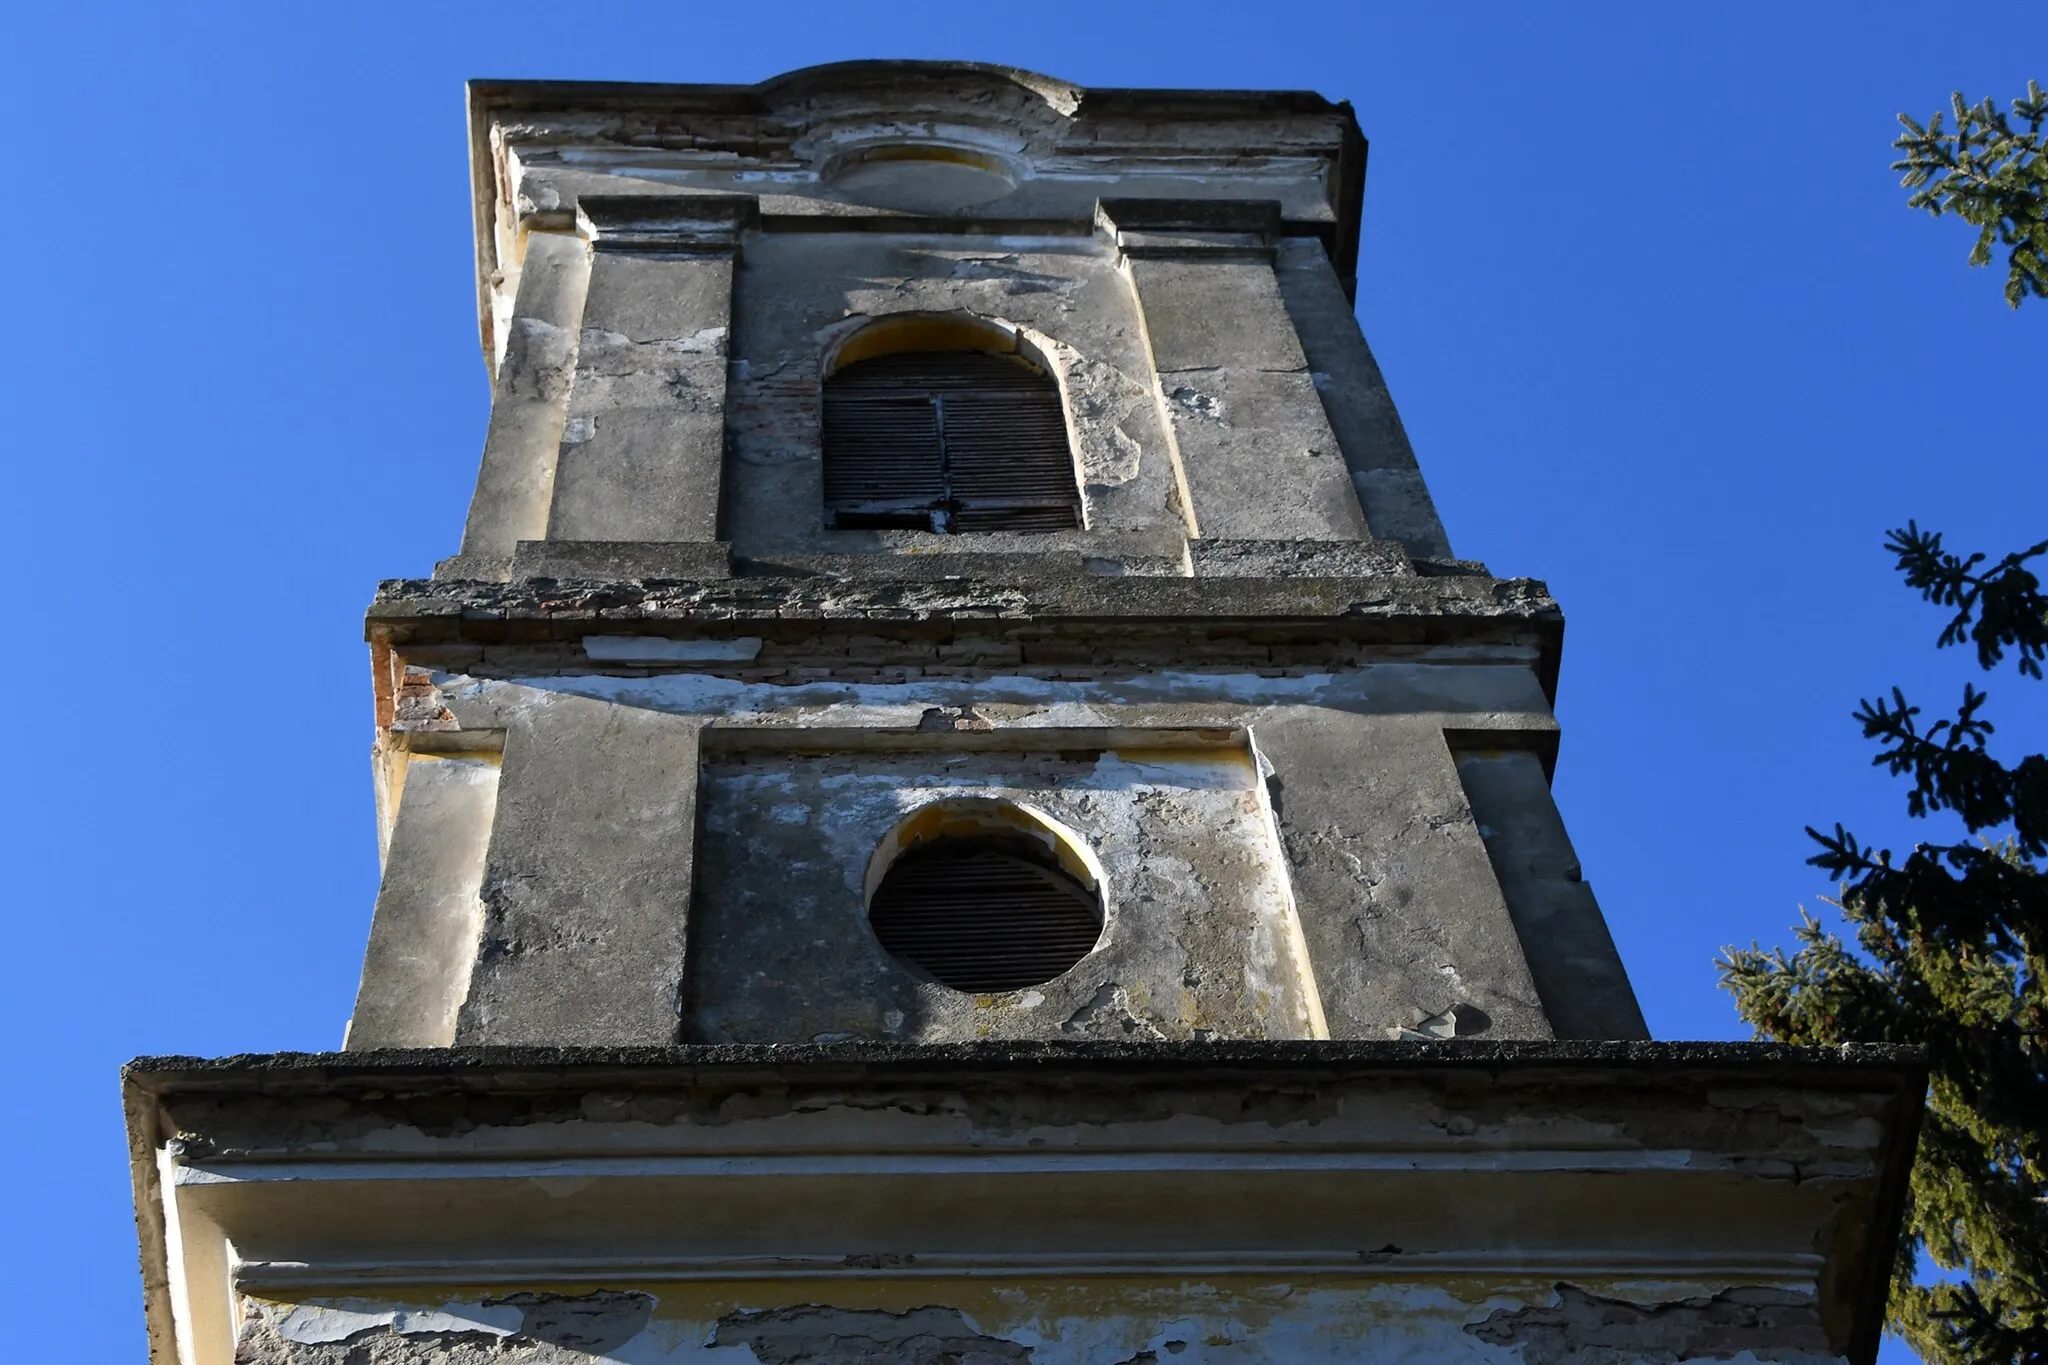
[[1861, 1066], [1453, 611], [1069, 554], [506, 95], [1431, 566], [1819, 1140], [925, 568], [613, 560], [416, 602], [480, 568], [1299, 559]]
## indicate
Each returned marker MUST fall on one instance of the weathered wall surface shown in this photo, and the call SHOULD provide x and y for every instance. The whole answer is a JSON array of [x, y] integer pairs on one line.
[[643, 441], [687, 396], [1200, 938], [1101, 1202], [1046, 152], [799, 296], [529, 403], [587, 879], [1571, 954], [1257, 454], [1369, 433], [1136, 1320], [427, 926], [691, 411], [1312, 864], [1406, 926], [634, 1081]]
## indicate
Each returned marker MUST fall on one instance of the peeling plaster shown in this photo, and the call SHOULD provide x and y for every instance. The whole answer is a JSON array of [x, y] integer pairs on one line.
[[1197, 941], [1044, 701], [1228, 1321], [312, 1323], [814, 1334], [597, 345], [1062, 298], [1582, 1328]]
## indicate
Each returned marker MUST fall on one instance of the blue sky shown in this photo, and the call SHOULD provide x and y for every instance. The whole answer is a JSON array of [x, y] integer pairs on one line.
[[1660, 326]]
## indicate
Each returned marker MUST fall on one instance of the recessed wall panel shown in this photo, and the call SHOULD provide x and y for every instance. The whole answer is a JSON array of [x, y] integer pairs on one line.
[[1199, 939]]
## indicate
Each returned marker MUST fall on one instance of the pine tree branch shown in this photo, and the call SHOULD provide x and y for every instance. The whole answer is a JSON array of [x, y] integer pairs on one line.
[[1951, 953], [2002, 608], [1990, 174]]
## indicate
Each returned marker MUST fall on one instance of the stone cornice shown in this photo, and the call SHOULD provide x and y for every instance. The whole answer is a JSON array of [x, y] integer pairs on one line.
[[1426, 608], [485, 1070], [773, 118], [1753, 1163], [666, 225], [1190, 229]]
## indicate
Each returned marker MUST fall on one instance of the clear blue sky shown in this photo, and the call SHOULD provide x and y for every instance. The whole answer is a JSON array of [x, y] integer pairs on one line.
[[1661, 328]]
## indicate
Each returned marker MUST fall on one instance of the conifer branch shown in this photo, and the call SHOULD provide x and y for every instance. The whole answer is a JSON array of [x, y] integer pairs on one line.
[[1991, 174]]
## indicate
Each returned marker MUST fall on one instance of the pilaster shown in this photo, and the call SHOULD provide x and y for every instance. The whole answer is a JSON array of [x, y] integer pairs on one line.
[[1402, 916], [1571, 954], [529, 403], [423, 935], [643, 442], [1361, 411], [586, 889], [1257, 455]]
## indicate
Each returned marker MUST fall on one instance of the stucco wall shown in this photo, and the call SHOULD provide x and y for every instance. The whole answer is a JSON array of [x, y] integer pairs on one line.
[[1099, 1203], [1200, 938], [1312, 862], [1183, 272], [801, 295], [1133, 1320]]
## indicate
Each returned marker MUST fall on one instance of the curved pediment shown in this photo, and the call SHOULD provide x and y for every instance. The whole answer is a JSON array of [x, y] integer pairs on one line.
[[895, 80]]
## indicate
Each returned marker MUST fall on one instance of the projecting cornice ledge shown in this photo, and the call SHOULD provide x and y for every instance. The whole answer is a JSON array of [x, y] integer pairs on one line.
[[1189, 229], [458, 605], [1766, 1169], [697, 224], [1869, 1066], [1459, 609]]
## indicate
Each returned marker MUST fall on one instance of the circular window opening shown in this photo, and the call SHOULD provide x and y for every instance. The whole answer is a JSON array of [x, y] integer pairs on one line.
[[986, 908], [922, 177]]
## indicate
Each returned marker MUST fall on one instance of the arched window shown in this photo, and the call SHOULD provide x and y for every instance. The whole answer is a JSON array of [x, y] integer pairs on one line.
[[947, 440], [985, 896]]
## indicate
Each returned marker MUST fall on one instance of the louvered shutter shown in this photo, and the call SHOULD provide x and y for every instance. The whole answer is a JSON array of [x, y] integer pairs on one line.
[[1007, 461], [883, 463], [980, 916], [949, 441]]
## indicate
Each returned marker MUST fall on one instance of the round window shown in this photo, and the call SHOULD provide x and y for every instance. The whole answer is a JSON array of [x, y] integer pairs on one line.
[[986, 910], [920, 177]]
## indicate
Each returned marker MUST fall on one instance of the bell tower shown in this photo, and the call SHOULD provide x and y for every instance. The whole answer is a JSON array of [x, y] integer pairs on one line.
[[954, 803]]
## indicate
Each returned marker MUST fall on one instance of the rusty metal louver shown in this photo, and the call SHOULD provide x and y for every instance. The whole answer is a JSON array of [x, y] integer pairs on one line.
[[984, 914], [947, 441]]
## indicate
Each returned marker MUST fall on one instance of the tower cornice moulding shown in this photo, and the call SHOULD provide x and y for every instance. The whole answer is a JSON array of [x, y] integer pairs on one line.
[[537, 146], [692, 225]]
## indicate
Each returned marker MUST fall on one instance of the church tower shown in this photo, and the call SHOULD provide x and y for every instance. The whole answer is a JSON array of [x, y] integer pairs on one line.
[[955, 804]]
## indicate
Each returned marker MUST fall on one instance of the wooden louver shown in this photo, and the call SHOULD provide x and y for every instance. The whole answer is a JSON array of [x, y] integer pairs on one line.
[[984, 915], [947, 441]]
